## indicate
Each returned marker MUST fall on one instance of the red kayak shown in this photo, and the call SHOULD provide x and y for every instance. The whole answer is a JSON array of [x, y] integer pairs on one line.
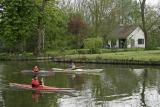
[[40, 88]]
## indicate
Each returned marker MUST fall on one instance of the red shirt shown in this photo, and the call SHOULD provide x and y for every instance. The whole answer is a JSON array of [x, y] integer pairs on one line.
[[35, 83]]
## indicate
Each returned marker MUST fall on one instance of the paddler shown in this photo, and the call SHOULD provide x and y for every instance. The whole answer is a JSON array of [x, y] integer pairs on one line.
[[72, 66], [36, 82], [35, 69]]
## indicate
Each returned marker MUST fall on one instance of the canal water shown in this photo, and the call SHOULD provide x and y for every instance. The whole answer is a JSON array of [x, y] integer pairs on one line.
[[116, 86]]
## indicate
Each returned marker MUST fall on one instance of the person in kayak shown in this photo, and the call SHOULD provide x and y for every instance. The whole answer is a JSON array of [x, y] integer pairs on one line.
[[36, 82], [72, 66], [35, 69]]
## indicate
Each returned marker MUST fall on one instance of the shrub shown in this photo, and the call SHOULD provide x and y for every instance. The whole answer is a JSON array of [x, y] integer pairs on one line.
[[83, 51], [93, 44]]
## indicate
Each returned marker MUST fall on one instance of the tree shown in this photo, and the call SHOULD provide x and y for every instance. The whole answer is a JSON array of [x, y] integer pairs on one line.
[[18, 21], [77, 26], [55, 27], [142, 7], [40, 29]]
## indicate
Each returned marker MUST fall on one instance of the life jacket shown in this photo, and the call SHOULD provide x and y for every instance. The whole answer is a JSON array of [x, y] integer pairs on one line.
[[35, 83]]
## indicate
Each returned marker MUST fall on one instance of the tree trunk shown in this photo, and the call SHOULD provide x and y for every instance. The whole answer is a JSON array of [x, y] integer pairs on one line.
[[142, 5], [41, 34], [40, 30], [96, 19]]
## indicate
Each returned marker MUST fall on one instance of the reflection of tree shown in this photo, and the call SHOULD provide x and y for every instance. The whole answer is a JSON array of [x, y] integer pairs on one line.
[[76, 81], [1, 88], [145, 75], [1, 100], [158, 81], [117, 82], [24, 99]]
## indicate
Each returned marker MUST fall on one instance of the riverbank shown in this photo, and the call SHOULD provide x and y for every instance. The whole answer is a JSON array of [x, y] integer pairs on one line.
[[139, 57], [23, 57], [151, 57]]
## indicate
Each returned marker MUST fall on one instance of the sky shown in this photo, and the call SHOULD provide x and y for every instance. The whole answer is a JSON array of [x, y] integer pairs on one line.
[[150, 2], [153, 2]]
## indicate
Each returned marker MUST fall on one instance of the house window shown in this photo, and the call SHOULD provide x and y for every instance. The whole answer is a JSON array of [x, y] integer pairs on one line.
[[140, 41]]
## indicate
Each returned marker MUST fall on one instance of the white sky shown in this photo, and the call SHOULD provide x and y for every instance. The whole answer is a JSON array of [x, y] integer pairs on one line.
[[153, 2]]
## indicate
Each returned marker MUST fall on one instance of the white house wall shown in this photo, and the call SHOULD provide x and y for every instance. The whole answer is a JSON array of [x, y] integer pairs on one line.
[[117, 44], [135, 35]]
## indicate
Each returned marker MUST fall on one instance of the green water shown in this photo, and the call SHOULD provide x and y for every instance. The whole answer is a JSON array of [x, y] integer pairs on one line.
[[116, 86]]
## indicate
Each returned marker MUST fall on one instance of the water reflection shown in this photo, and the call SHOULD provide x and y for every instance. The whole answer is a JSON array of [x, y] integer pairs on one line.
[[144, 88], [36, 96], [141, 95], [2, 104], [117, 86], [138, 72]]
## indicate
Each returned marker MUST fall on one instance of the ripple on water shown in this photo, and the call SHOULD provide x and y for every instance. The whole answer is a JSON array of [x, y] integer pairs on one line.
[[2, 104], [1, 87]]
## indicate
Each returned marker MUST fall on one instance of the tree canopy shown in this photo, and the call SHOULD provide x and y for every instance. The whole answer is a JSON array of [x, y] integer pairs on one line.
[[38, 25]]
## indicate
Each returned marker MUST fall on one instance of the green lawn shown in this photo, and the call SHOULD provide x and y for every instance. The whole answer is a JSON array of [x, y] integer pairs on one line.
[[152, 55], [140, 55]]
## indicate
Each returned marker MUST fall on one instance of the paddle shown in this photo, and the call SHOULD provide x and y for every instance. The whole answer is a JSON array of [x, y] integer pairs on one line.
[[42, 81], [72, 93], [80, 67]]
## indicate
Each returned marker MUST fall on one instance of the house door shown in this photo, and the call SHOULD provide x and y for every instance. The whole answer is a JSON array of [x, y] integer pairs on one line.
[[122, 43]]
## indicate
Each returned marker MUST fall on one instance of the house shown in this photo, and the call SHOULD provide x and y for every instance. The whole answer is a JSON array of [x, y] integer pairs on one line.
[[129, 37]]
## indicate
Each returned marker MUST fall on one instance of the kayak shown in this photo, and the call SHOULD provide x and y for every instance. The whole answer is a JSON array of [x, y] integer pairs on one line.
[[40, 88], [40, 73], [77, 70]]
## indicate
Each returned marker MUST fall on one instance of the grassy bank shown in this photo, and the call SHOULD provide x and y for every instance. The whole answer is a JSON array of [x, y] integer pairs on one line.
[[24, 56], [152, 55], [105, 54]]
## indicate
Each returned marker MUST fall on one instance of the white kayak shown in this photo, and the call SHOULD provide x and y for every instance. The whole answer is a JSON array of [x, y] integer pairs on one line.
[[69, 70], [40, 73]]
